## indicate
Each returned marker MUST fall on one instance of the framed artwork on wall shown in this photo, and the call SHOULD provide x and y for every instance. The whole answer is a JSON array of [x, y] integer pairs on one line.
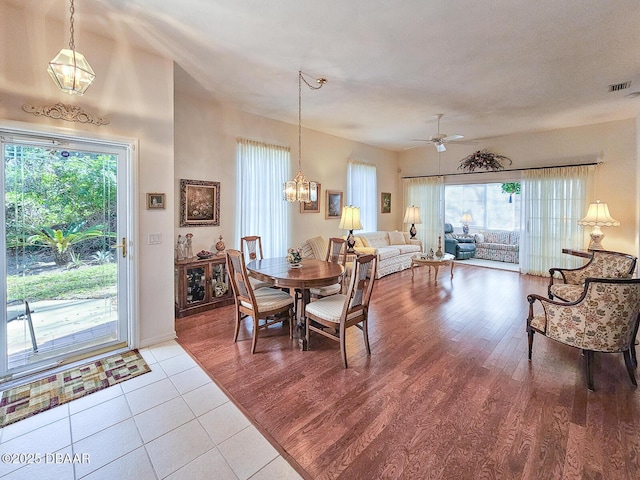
[[311, 207], [155, 200], [385, 202], [199, 203], [334, 204]]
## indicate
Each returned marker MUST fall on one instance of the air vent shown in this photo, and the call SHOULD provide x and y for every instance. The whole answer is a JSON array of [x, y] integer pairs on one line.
[[619, 86]]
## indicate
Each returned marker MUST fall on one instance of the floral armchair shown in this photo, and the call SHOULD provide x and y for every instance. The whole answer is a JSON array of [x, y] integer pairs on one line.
[[604, 319], [603, 264]]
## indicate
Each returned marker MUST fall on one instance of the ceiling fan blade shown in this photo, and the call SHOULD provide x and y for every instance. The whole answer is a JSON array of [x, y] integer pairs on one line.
[[421, 140], [465, 142], [449, 138]]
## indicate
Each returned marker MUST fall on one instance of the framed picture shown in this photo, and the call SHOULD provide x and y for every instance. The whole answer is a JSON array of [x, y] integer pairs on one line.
[[334, 204], [155, 200], [311, 207], [385, 202], [199, 203]]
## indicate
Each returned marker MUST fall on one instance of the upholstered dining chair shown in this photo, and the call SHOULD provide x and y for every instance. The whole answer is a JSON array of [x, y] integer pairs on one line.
[[569, 286], [336, 253], [604, 319], [332, 316], [268, 304], [251, 248]]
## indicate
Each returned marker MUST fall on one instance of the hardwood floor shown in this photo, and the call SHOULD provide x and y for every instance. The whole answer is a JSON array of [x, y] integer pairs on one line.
[[447, 393]]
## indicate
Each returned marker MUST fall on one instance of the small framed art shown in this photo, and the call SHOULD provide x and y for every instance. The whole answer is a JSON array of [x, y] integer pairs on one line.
[[155, 200], [334, 204], [311, 207], [199, 203], [385, 202]]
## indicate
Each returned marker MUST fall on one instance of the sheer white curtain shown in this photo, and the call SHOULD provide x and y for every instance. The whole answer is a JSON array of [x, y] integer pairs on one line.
[[428, 194], [362, 191], [553, 200], [261, 170]]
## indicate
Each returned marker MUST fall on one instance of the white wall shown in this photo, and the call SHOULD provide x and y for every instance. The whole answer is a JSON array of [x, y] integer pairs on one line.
[[205, 144], [613, 143], [135, 90]]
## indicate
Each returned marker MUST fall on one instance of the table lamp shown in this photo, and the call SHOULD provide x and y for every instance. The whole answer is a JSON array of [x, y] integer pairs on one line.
[[466, 220], [598, 216], [412, 216], [350, 220]]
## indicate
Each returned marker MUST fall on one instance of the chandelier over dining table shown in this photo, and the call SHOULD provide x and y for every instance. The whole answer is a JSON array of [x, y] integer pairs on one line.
[[300, 189]]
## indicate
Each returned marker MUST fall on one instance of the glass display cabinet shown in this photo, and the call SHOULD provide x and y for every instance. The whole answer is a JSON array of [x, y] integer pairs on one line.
[[201, 284]]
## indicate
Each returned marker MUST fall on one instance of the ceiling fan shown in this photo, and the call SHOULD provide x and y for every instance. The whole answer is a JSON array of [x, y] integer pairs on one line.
[[440, 139]]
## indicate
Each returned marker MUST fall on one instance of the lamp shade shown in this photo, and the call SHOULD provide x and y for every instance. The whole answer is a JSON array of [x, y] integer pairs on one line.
[[412, 215], [350, 219], [466, 218], [598, 216]]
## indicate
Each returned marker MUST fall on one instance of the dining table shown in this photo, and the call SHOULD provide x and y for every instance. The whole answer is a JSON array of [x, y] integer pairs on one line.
[[310, 273]]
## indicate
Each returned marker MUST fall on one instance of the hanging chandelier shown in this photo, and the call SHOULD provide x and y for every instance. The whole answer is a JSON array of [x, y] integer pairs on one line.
[[300, 189], [69, 69]]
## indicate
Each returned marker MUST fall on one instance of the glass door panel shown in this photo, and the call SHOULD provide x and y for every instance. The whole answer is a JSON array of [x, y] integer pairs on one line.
[[63, 278]]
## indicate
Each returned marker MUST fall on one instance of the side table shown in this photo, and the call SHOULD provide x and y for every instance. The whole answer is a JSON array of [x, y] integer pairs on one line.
[[435, 263]]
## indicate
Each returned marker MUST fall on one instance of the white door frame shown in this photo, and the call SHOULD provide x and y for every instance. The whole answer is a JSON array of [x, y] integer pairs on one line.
[[43, 133]]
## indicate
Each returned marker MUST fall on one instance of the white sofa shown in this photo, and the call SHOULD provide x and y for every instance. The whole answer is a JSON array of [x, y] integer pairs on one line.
[[394, 250]]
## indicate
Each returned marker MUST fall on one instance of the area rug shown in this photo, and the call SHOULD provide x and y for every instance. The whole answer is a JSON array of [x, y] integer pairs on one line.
[[26, 400]]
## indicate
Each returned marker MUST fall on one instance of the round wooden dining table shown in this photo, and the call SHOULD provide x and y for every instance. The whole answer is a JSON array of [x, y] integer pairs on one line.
[[312, 273]]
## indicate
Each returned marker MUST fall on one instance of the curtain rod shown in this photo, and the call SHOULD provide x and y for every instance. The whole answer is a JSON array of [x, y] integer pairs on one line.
[[508, 170]]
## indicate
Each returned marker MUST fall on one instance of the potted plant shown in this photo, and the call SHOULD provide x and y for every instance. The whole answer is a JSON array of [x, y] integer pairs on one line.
[[511, 188]]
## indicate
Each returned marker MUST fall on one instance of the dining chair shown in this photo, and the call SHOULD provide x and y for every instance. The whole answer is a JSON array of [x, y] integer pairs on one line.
[[331, 316], [251, 248], [603, 264], [604, 319], [268, 304], [336, 253], [19, 309]]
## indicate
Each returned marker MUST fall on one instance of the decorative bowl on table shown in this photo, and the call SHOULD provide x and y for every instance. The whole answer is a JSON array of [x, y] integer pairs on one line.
[[203, 254]]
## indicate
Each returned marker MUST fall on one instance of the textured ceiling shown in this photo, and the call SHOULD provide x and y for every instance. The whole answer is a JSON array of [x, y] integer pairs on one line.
[[493, 67]]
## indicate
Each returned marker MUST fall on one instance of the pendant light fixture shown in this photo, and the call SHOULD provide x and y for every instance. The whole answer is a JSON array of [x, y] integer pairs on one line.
[[300, 189], [69, 69]]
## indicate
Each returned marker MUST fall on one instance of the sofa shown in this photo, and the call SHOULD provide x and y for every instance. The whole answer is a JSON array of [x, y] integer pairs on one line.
[[498, 245], [393, 249], [462, 247]]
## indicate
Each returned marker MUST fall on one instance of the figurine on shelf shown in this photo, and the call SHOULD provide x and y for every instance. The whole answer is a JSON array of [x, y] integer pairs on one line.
[[189, 247], [430, 254], [220, 247], [181, 248]]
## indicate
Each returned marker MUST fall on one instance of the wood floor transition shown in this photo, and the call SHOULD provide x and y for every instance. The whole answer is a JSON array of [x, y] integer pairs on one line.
[[447, 393]]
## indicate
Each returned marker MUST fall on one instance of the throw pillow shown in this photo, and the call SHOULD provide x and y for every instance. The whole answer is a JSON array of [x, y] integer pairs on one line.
[[319, 247], [396, 238], [479, 237]]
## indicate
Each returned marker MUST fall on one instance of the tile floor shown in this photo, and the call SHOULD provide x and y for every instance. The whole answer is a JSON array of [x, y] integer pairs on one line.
[[172, 423]]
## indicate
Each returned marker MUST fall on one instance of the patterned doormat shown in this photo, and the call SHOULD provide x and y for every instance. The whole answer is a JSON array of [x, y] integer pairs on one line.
[[26, 400]]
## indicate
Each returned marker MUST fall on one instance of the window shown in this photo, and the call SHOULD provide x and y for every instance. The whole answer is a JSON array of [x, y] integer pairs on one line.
[[362, 191], [489, 206], [427, 193], [261, 171], [554, 201]]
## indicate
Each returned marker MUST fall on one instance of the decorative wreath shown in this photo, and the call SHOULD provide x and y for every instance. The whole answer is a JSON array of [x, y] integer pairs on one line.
[[485, 160]]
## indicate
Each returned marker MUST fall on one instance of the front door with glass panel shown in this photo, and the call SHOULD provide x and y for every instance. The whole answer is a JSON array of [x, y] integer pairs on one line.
[[63, 242]]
